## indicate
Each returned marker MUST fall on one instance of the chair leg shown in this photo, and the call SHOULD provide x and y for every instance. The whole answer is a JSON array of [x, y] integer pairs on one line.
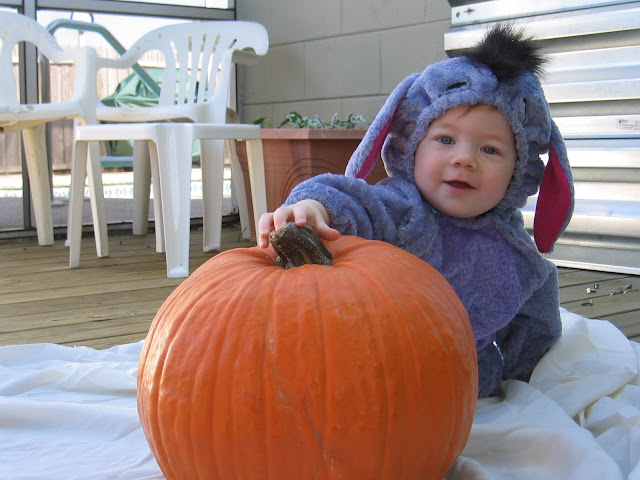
[[76, 198], [141, 184], [237, 179], [96, 194], [255, 159], [157, 203], [175, 183], [37, 166], [212, 164], [145, 173]]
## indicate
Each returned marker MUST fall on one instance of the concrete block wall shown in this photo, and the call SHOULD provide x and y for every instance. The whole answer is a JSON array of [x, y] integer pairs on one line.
[[337, 56]]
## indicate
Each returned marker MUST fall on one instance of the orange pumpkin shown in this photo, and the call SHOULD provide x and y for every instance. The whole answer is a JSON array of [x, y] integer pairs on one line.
[[361, 370]]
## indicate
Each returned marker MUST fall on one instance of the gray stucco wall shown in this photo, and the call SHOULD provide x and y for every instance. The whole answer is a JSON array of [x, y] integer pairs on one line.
[[337, 56]]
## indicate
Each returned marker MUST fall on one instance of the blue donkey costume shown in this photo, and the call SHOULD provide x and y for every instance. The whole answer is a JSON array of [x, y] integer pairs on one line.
[[509, 290]]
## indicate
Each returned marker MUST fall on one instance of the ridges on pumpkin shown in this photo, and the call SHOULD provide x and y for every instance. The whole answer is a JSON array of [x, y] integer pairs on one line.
[[362, 370]]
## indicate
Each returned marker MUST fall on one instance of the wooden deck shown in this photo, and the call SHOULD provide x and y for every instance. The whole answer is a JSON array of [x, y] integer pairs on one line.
[[105, 302], [110, 301]]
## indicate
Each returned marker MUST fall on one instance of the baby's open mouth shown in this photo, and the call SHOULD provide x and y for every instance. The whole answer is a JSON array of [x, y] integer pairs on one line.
[[459, 185]]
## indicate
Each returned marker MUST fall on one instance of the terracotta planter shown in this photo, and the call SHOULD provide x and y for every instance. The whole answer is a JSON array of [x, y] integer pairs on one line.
[[293, 155]]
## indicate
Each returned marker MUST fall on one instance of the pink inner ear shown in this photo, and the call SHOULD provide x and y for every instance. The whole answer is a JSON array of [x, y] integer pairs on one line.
[[374, 154], [554, 203]]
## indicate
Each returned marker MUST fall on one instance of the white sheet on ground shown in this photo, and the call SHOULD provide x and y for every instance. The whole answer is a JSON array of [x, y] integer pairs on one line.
[[70, 414], [578, 418]]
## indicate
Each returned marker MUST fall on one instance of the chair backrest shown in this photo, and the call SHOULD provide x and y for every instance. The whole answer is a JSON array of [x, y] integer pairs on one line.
[[14, 29], [198, 57], [17, 28]]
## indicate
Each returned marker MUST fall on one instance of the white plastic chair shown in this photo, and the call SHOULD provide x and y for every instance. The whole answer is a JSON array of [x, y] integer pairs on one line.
[[193, 100], [31, 118]]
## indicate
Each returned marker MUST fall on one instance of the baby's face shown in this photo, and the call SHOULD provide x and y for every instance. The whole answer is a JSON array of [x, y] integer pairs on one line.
[[465, 162]]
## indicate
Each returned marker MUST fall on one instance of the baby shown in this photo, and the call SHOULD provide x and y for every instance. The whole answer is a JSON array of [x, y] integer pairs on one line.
[[461, 143]]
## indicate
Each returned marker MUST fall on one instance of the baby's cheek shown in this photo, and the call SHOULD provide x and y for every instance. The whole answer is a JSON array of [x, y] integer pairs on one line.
[[424, 179]]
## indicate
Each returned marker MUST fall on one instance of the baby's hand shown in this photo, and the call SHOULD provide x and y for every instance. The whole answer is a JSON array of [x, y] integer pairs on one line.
[[305, 212]]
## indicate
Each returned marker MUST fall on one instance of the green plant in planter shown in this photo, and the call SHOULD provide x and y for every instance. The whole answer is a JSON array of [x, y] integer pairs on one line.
[[295, 120], [305, 148]]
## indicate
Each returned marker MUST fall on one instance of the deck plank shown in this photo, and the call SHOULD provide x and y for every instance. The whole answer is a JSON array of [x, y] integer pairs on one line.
[[111, 301], [104, 302]]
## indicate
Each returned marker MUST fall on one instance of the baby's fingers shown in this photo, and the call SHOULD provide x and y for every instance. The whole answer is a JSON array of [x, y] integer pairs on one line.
[[265, 226], [326, 232], [284, 215]]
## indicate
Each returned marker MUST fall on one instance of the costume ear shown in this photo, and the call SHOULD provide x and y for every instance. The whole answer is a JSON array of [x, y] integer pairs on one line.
[[555, 198], [364, 158]]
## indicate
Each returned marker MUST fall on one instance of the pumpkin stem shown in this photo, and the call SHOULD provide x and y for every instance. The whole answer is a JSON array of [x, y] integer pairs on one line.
[[297, 246]]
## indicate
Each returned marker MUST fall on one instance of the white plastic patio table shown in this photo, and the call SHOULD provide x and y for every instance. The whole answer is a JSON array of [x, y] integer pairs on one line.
[[175, 179]]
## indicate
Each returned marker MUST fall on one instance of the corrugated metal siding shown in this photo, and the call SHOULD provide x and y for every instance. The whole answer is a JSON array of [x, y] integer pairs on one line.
[[593, 88]]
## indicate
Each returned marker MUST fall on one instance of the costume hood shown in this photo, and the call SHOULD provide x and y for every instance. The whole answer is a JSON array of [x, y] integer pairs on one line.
[[502, 70]]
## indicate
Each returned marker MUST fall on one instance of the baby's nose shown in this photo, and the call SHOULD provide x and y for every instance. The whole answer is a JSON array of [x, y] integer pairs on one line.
[[464, 157]]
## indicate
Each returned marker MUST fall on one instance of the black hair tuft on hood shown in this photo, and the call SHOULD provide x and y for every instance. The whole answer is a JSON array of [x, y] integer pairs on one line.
[[508, 53]]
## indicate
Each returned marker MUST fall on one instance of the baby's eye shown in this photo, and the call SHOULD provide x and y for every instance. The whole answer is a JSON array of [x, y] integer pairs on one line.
[[489, 150], [446, 140]]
